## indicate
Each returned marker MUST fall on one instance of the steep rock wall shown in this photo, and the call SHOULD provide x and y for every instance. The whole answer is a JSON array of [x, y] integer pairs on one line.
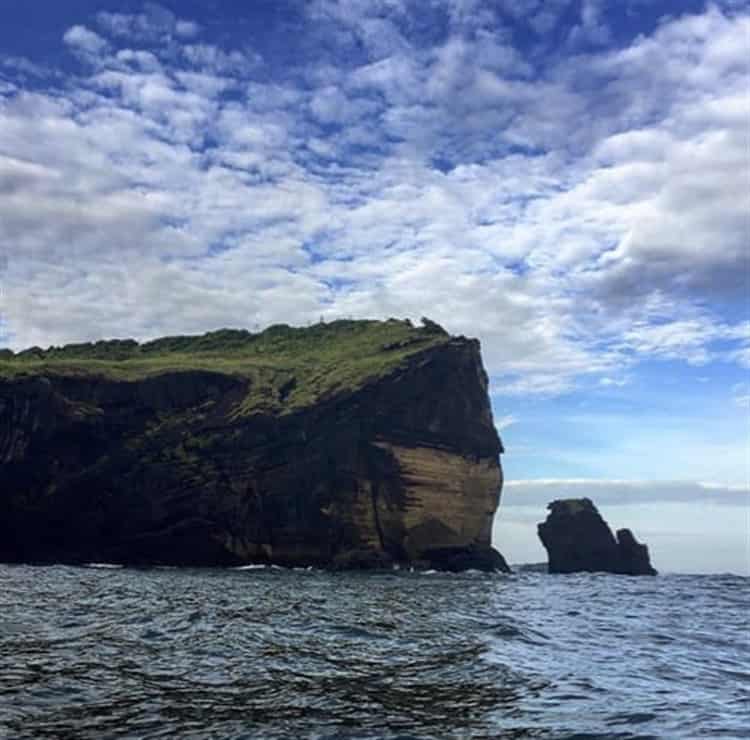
[[167, 470]]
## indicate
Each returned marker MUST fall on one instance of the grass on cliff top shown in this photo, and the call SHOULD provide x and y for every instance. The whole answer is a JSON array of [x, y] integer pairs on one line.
[[289, 367]]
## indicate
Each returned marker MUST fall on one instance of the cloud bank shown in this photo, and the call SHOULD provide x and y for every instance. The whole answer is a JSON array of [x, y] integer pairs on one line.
[[539, 492], [580, 204]]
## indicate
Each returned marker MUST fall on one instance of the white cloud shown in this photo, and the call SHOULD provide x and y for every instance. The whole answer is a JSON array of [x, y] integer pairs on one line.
[[505, 421], [154, 24], [592, 28], [623, 492], [23, 68], [186, 29], [85, 40], [141, 60], [608, 382]]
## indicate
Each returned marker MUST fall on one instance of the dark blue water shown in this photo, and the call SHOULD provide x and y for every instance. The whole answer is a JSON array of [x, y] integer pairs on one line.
[[103, 653]]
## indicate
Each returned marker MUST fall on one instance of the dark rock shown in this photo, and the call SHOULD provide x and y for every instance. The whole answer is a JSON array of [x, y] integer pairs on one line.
[[577, 538], [362, 560], [634, 558], [456, 559], [433, 327]]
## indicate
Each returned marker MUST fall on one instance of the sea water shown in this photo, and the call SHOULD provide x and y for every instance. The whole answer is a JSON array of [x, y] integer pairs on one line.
[[270, 653]]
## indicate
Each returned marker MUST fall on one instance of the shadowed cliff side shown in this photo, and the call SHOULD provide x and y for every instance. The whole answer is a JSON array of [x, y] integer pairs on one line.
[[354, 444], [577, 538]]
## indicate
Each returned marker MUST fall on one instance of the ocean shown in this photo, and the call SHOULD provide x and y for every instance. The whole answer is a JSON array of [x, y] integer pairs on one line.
[[102, 652]]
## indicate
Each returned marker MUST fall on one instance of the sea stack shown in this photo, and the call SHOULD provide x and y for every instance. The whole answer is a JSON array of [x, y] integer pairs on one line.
[[348, 444], [577, 538]]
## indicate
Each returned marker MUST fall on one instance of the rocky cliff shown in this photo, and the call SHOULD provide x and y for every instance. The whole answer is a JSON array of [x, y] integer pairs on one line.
[[577, 538], [348, 444]]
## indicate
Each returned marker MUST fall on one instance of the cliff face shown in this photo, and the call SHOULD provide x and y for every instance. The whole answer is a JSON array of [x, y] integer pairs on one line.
[[178, 466], [577, 538]]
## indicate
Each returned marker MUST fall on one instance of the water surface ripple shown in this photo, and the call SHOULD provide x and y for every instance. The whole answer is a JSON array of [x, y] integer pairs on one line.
[[271, 653]]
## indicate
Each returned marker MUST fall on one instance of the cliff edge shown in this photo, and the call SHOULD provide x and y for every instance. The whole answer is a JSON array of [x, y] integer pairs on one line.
[[577, 538], [348, 444]]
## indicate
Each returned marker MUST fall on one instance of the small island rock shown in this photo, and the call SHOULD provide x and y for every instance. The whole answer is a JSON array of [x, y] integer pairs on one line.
[[577, 538]]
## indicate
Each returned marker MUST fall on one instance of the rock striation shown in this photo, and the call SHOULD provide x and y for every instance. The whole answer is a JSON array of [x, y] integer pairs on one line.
[[577, 538], [352, 444]]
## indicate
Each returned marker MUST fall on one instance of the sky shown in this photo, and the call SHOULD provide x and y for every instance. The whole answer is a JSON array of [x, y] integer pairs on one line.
[[568, 180]]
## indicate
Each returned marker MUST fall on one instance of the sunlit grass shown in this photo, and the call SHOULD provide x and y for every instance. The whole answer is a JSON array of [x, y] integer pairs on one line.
[[287, 367]]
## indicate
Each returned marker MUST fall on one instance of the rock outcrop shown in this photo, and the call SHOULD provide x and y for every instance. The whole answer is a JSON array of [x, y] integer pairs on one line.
[[577, 538], [351, 444]]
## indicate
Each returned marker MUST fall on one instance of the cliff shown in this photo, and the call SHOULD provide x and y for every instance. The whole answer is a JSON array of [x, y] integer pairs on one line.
[[577, 538], [349, 444]]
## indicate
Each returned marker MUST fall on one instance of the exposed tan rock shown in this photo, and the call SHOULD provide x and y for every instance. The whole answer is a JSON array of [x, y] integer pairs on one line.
[[450, 499]]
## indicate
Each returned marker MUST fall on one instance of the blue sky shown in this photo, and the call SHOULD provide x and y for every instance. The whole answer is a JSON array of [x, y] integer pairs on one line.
[[567, 180]]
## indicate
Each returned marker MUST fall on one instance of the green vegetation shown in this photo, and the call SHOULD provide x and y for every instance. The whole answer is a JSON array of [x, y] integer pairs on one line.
[[288, 367]]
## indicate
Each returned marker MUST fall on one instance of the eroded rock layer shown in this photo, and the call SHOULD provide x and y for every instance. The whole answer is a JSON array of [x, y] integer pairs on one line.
[[171, 468]]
